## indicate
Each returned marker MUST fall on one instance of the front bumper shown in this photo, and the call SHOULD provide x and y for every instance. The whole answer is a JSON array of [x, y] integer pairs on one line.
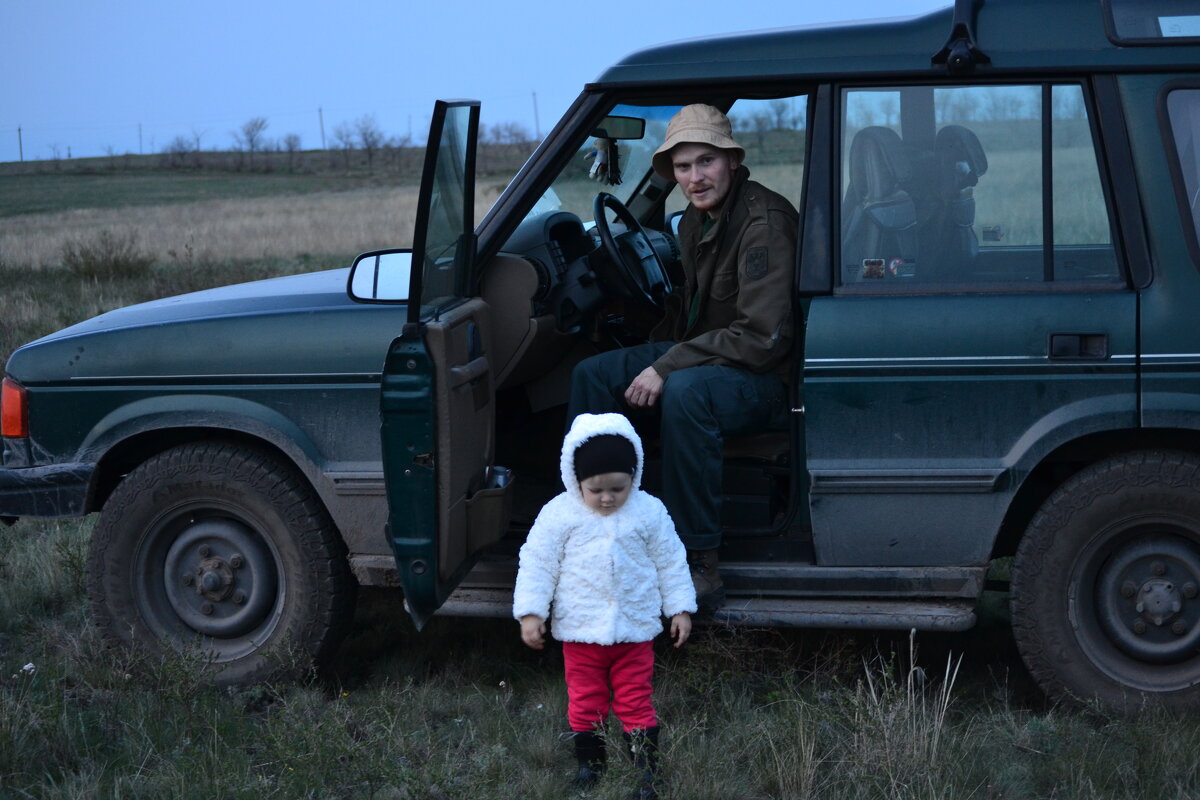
[[58, 490]]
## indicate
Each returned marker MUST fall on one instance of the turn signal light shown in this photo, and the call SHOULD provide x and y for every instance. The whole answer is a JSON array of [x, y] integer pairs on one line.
[[14, 417]]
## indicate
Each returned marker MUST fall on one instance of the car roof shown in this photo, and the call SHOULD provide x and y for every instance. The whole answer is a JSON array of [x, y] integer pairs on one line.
[[1017, 35]]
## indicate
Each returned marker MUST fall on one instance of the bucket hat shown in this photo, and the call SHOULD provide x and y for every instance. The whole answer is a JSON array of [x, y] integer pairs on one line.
[[695, 124]]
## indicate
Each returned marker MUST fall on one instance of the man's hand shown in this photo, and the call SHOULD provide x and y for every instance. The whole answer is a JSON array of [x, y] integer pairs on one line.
[[533, 631], [681, 628], [645, 389]]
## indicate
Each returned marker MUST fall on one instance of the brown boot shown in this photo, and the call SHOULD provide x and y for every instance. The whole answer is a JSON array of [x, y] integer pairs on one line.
[[710, 592]]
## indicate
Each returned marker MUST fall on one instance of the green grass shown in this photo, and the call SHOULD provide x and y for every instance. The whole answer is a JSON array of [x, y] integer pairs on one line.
[[62, 191], [463, 710]]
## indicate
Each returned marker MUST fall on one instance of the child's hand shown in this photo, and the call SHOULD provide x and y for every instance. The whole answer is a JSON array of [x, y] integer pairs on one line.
[[533, 631], [681, 627]]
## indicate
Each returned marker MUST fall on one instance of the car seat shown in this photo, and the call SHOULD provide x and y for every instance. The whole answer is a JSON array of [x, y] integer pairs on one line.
[[879, 217], [947, 240]]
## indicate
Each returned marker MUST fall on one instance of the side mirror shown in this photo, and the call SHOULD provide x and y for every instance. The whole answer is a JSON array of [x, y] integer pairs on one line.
[[380, 276], [620, 128]]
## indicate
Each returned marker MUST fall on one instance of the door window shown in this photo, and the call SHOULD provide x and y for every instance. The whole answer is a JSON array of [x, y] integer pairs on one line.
[[971, 187], [1183, 107], [443, 247]]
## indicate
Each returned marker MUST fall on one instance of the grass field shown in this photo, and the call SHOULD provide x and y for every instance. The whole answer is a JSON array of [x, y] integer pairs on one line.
[[463, 710]]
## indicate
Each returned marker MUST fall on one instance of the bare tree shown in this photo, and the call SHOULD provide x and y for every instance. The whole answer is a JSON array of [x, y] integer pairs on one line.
[[1001, 105], [370, 137], [291, 143], [250, 136], [781, 113], [889, 107], [176, 151], [394, 152], [343, 139]]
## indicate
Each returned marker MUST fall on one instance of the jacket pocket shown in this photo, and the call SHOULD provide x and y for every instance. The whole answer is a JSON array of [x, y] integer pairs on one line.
[[725, 284]]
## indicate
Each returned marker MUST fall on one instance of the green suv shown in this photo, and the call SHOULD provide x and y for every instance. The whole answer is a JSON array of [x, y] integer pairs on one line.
[[995, 291]]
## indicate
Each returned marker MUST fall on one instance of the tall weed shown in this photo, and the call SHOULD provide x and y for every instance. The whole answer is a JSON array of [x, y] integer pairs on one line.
[[106, 256]]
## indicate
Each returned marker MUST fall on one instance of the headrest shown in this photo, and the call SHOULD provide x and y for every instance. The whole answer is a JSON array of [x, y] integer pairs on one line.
[[878, 162], [960, 146]]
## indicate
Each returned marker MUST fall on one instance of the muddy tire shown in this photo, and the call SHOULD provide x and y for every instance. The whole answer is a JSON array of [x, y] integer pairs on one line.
[[221, 550], [1106, 585]]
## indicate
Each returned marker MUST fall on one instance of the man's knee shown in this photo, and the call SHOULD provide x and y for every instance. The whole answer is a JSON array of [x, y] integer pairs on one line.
[[687, 392]]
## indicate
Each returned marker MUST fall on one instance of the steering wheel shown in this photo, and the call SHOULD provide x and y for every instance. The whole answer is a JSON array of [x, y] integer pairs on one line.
[[640, 273]]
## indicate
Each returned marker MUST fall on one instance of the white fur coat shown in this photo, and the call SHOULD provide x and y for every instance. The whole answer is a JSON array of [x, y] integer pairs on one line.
[[609, 578]]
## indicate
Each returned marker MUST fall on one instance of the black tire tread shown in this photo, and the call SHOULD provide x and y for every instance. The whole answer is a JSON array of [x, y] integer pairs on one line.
[[1140, 469], [307, 521]]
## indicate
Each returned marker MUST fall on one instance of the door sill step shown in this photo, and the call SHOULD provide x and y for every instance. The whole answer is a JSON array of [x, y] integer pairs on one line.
[[782, 612], [772, 612]]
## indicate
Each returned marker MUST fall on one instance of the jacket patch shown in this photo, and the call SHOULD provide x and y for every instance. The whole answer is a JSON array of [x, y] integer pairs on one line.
[[756, 262]]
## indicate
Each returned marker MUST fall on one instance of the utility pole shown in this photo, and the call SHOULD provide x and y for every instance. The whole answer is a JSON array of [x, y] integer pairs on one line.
[[537, 128], [20, 143], [321, 121]]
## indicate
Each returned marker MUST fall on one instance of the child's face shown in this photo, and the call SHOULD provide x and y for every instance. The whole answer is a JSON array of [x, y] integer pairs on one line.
[[607, 492]]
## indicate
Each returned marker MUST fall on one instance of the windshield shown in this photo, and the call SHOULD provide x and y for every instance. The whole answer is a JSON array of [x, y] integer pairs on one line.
[[576, 188], [771, 131]]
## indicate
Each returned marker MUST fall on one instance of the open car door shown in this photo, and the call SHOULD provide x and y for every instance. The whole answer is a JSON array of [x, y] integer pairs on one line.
[[446, 499]]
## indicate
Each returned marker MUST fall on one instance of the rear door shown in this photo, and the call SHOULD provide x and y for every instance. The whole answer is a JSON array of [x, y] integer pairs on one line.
[[981, 317], [446, 498]]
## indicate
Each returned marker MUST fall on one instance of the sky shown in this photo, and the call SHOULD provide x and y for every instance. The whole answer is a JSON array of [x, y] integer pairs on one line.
[[91, 77]]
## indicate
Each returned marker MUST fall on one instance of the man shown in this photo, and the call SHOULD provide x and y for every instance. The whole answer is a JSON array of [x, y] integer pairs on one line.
[[719, 361]]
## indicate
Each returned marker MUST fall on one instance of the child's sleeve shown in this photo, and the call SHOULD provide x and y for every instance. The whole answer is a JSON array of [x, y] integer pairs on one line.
[[538, 568], [670, 560]]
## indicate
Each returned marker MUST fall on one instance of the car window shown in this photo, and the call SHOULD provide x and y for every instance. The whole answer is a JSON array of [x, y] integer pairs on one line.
[[773, 135], [771, 131], [1183, 108], [985, 186], [576, 186], [1153, 21]]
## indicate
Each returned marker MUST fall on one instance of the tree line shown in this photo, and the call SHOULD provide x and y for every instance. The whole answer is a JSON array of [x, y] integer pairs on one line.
[[353, 146]]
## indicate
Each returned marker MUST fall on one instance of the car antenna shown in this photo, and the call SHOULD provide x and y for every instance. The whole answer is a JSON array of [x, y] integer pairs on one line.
[[961, 55]]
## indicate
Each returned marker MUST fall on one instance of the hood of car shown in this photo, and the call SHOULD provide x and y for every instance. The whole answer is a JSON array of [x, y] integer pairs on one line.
[[298, 325], [274, 295]]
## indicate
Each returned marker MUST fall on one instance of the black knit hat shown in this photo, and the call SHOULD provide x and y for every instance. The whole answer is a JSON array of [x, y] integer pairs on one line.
[[607, 452]]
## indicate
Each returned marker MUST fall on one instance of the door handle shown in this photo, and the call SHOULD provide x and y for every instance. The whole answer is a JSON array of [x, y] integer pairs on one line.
[[1077, 346], [466, 373]]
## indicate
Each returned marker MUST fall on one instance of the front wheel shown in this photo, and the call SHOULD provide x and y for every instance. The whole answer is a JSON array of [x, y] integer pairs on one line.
[[220, 548], [1106, 581]]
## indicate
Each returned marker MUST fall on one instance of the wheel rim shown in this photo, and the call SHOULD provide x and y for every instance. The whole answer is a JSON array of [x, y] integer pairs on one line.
[[205, 574], [1134, 603]]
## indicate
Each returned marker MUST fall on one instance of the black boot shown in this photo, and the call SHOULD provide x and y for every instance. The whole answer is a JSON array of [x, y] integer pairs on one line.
[[643, 747], [591, 755], [706, 578]]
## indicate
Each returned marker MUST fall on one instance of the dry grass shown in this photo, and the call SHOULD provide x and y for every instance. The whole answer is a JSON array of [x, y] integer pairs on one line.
[[288, 226]]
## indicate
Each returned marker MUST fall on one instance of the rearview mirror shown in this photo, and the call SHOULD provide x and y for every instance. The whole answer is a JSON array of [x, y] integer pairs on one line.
[[620, 128], [380, 276]]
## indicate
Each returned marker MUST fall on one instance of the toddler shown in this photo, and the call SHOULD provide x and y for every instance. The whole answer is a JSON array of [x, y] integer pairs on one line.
[[604, 564]]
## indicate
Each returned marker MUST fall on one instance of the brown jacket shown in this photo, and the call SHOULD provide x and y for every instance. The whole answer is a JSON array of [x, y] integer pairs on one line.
[[742, 270]]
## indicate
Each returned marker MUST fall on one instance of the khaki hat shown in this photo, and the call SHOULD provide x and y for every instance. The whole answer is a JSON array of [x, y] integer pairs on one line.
[[695, 124]]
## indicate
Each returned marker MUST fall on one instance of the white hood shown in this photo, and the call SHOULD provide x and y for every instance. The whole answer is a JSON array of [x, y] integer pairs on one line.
[[585, 427]]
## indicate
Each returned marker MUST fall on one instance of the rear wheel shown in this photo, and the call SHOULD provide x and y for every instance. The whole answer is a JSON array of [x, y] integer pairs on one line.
[[1106, 582], [223, 549]]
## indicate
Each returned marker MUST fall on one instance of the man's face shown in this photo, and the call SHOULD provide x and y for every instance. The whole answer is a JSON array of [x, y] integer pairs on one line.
[[705, 174]]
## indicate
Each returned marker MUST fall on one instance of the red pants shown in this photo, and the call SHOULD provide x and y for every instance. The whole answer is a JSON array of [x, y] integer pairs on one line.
[[596, 670]]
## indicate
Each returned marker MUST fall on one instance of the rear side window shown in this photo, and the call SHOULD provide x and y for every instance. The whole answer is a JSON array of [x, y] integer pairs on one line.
[[1153, 21], [984, 187], [1183, 107]]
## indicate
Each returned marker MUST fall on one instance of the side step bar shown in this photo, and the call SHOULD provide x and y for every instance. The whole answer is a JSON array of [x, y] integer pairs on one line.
[[924, 615], [779, 612]]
